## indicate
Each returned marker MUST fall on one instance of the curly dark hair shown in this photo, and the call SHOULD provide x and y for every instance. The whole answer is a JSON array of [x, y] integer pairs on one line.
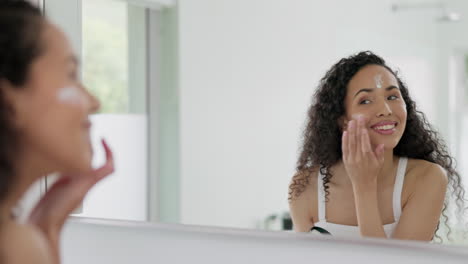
[[321, 147], [20, 27]]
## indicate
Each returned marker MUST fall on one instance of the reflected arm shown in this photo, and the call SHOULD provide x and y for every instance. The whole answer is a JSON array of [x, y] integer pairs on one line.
[[421, 213]]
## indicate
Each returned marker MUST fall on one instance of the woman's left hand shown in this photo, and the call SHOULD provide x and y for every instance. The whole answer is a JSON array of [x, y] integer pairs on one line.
[[63, 198], [362, 163]]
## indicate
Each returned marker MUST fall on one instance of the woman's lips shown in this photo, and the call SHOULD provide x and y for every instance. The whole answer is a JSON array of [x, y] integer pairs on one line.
[[385, 127]]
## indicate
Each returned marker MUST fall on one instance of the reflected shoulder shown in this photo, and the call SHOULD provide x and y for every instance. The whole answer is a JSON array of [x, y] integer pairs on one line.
[[426, 172], [303, 200], [303, 184]]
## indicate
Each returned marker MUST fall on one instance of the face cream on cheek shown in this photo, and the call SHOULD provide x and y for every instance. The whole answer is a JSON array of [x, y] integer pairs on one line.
[[378, 81], [71, 95], [357, 116]]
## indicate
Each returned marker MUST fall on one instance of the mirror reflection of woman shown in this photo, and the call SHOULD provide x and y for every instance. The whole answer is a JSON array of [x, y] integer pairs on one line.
[[370, 163], [44, 128]]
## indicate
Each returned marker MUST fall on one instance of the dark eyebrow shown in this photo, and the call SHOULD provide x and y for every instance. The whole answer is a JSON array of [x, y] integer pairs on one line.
[[391, 87], [369, 90]]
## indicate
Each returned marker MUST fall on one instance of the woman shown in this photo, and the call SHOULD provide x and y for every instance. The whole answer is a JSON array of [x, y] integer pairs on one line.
[[371, 165], [44, 128]]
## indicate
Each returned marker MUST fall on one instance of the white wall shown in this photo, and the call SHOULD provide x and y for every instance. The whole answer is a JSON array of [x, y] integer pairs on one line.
[[123, 194], [248, 69], [452, 43], [98, 242]]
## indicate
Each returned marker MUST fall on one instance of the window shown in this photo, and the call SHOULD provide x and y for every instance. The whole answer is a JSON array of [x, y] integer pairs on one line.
[[105, 53], [113, 38], [129, 53]]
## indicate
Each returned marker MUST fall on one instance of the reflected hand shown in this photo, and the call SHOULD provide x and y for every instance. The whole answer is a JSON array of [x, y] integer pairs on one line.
[[362, 163]]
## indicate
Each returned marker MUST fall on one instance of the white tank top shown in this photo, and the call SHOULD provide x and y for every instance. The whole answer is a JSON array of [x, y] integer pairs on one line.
[[353, 231]]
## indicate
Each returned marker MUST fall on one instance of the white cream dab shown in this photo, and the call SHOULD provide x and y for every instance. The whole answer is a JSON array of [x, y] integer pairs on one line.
[[71, 95], [357, 116], [378, 81]]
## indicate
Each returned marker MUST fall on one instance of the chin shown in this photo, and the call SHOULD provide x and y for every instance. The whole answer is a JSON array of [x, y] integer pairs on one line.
[[79, 164], [86, 164], [389, 145], [80, 169], [86, 158]]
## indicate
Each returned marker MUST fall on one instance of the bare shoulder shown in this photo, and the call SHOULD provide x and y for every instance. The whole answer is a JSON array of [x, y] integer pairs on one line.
[[303, 185], [422, 174], [423, 170], [303, 200], [23, 244]]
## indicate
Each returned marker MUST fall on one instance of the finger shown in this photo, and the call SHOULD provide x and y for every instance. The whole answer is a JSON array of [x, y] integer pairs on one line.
[[85, 183], [352, 138], [108, 167], [359, 127], [61, 200], [47, 197], [109, 155], [56, 205], [365, 141], [379, 150], [344, 145], [73, 187]]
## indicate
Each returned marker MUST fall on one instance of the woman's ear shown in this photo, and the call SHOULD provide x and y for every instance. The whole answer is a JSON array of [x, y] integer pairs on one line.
[[343, 123]]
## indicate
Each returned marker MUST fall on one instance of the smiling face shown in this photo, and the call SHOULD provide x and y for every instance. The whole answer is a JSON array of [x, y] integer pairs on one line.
[[374, 93]]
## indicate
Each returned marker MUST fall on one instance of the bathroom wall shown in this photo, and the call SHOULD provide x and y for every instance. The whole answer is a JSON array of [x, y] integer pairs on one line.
[[248, 70]]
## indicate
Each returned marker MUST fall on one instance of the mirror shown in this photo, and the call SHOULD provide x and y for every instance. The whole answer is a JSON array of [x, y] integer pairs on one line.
[[204, 101]]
